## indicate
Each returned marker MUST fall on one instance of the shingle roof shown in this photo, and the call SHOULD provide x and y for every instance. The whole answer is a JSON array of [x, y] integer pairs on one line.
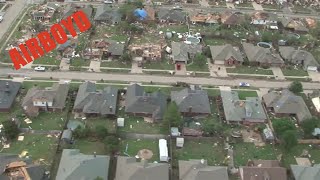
[[137, 101], [285, 102], [92, 102], [181, 50], [230, 18], [116, 49], [72, 8], [305, 172], [75, 166], [261, 55], [129, 169], [8, 93], [195, 170], [295, 24], [171, 15], [106, 13], [197, 100], [263, 173], [225, 52]]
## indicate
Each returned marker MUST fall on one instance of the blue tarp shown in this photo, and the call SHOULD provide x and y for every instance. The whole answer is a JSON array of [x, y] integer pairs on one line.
[[141, 14]]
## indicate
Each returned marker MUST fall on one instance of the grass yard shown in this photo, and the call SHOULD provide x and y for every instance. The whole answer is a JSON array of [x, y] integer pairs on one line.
[[299, 8], [79, 62], [298, 79], [164, 65], [38, 147], [115, 63], [135, 145], [29, 84], [119, 38], [316, 53], [48, 59], [47, 121], [139, 126], [165, 90], [176, 28], [111, 125], [244, 5], [16, 110], [245, 151], [270, 6], [214, 41], [213, 92], [89, 147], [196, 67], [294, 72], [210, 150], [244, 94], [249, 70]]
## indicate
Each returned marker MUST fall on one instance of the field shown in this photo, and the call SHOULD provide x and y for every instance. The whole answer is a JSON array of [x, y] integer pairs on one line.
[[87, 146]]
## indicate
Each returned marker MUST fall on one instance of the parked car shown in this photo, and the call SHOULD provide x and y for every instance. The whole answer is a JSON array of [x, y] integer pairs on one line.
[[108, 2], [244, 84], [40, 68]]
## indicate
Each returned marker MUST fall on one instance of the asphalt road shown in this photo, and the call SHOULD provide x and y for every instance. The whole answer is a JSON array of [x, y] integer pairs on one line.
[[154, 78]]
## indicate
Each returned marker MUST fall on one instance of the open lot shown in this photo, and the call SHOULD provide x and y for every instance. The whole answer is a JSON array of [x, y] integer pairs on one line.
[[135, 145], [249, 70], [138, 125], [164, 64]]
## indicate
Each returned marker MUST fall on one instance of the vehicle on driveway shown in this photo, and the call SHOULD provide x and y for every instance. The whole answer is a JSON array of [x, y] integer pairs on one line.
[[108, 2], [40, 68], [244, 84]]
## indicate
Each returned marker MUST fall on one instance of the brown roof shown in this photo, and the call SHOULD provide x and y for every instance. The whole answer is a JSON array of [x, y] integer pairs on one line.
[[205, 18], [263, 173], [229, 18], [311, 23], [264, 163], [260, 15], [191, 132], [151, 13]]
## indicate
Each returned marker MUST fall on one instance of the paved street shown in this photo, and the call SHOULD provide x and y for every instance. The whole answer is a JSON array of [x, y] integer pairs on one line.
[[155, 79]]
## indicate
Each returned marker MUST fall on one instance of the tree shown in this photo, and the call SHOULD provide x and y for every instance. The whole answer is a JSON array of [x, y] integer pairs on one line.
[[200, 60], [81, 133], [211, 128], [111, 143], [308, 126], [289, 139], [207, 52], [172, 116], [296, 87], [282, 125], [101, 132], [11, 129], [125, 57]]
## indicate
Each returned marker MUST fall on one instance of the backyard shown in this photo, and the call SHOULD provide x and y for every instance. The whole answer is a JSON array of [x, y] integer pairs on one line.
[[88, 146], [138, 125], [101, 121], [249, 70], [135, 145], [47, 121]]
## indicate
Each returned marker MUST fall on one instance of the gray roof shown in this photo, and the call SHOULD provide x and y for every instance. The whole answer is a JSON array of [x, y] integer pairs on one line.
[[225, 52], [138, 101], [129, 169], [260, 54], [116, 49], [171, 15], [181, 51], [195, 170], [77, 166], [295, 24], [71, 8], [238, 110], [285, 102], [106, 13], [91, 101], [66, 134], [8, 93], [298, 56], [197, 100], [305, 172], [52, 5]]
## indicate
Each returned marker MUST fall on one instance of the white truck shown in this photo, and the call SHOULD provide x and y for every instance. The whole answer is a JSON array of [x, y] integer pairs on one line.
[[1, 16]]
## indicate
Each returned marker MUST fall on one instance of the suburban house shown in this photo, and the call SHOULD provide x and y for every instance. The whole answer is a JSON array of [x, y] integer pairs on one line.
[[140, 103], [129, 169], [14, 167], [199, 170], [261, 56], [107, 14], [45, 99], [171, 16], [201, 18], [265, 19], [67, 49], [45, 12], [299, 57], [116, 50], [72, 8], [285, 103], [262, 170], [192, 102], [226, 54], [75, 165], [295, 25], [91, 102], [8, 93], [305, 172], [97, 49], [148, 51], [182, 52], [230, 18], [248, 111]]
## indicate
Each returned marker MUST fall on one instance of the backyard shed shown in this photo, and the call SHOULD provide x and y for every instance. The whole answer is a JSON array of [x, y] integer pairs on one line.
[[180, 142], [268, 135], [120, 122], [175, 131], [163, 149], [66, 136]]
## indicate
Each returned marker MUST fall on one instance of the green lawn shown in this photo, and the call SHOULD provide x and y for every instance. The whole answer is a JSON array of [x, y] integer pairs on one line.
[[48, 59], [139, 126], [244, 94], [115, 63], [111, 125], [122, 71], [87, 146], [119, 38], [245, 151], [29, 84], [247, 5], [214, 41], [176, 28], [134, 146], [300, 9], [316, 53], [201, 149], [79, 62], [163, 64], [47, 121], [196, 67], [298, 79], [270, 6], [15, 111], [294, 72], [213, 92], [249, 70], [38, 147]]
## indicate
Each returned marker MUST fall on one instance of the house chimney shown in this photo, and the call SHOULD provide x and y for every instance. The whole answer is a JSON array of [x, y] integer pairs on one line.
[[110, 108], [94, 154]]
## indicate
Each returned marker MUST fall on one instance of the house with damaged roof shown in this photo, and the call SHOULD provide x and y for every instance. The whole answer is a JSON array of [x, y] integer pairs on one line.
[[45, 99], [129, 169], [107, 14], [140, 103], [175, 16], [285, 103], [260, 56], [182, 52], [72, 8], [294, 25], [226, 54], [192, 101], [229, 18], [299, 57], [262, 170], [75, 165], [8, 93], [248, 111], [200, 170], [91, 102], [202, 18]]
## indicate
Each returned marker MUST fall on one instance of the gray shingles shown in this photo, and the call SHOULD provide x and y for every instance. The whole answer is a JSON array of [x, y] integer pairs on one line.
[[116, 49], [261, 55], [183, 52], [107, 14], [305, 172], [171, 15], [224, 52], [8, 93]]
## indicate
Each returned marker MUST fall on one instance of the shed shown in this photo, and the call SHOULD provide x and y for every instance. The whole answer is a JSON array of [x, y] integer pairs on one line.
[[163, 150], [120, 122], [175, 131], [66, 136], [180, 142], [73, 124], [316, 132], [268, 135]]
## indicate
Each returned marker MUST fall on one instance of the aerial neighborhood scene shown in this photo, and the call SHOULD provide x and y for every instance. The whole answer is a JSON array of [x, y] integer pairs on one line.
[[160, 90]]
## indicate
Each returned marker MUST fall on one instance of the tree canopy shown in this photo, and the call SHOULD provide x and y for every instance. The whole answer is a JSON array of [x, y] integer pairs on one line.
[[11, 129], [289, 138], [101, 132], [296, 87], [282, 125], [200, 60], [308, 126], [81, 133], [111, 143], [172, 116]]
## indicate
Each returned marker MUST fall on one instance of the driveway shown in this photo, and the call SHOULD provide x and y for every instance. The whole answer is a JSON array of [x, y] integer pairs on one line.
[[95, 65], [64, 66], [215, 71], [135, 68], [277, 72], [183, 69], [315, 76], [257, 6]]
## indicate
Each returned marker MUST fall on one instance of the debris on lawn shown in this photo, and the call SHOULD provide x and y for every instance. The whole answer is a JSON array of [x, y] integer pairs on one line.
[[28, 121], [6, 146], [23, 154], [20, 138]]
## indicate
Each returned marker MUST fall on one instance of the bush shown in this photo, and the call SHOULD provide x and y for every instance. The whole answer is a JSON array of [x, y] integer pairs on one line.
[[81, 133], [111, 143], [101, 132], [296, 87], [289, 139], [11, 129], [308, 126], [282, 125]]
